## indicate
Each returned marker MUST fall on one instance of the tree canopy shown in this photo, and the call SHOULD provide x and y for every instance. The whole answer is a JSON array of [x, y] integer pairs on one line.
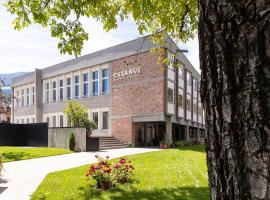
[[177, 18]]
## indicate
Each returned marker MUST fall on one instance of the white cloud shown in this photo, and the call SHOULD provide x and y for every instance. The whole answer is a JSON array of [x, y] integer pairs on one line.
[[34, 47]]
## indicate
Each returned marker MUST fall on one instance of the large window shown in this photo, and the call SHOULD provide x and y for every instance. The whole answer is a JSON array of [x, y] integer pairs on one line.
[[85, 84], [48, 121], [95, 83], [17, 98], [54, 121], [77, 86], [105, 81], [180, 100], [195, 84], [47, 92], [27, 96], [54, 91], [180, 71], [68, 88], [95, 118], [22, 91], [61, 90], [33, 95], [189, 78], [61, 121], [188, 104], [170, 95], [105, 120]]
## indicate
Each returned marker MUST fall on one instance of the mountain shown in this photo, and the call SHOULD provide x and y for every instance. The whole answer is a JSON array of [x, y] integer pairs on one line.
[[7, 77]]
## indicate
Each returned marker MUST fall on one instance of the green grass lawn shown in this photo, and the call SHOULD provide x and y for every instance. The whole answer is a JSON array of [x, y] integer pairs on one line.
[[162, 175], [20, 153]]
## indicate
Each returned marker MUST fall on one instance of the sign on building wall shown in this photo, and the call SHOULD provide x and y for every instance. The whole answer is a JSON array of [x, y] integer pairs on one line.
[[127, 73]]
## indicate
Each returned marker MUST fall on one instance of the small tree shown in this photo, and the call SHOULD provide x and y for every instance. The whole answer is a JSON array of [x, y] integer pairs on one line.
[[78, 117], [71, 142]]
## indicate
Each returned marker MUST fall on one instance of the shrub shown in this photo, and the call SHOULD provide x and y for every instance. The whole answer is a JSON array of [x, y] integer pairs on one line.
[[71, 142], [182, 143], [107, 175], [102, 173], [123, 171]]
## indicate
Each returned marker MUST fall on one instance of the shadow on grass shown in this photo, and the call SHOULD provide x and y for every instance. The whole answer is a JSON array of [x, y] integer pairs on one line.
[[198, 147], [14, 156], [129, 192]]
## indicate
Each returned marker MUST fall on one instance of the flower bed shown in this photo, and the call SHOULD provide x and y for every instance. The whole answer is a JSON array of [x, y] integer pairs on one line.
[[107, 175]]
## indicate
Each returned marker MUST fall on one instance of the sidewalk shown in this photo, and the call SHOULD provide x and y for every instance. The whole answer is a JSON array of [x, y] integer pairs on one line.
[[21, 178]]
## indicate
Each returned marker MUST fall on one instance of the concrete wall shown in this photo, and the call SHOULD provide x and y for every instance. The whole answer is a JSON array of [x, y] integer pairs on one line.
[[58, 137]]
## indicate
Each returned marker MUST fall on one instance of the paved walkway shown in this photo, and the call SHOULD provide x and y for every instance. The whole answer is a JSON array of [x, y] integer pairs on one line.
[[23, 177]]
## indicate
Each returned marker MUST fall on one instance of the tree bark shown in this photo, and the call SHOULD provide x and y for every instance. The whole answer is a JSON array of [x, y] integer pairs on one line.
[[234, 37]]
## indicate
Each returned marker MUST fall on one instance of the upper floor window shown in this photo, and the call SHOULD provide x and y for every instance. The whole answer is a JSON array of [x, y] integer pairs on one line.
[[54, 91], [85, 84], [68, 88], [195, 84], [61, 90], [189, 78], [170, 95], [77, 86], [22, 92], [188, 104], [27, 97], [47, 92], [180, 100], [95, 83], [17, 98], [105, 80], [170, 61], [33, 95], [180, 71]]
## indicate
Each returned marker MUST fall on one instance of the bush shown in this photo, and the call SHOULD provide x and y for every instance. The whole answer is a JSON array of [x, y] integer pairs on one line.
[[182, 143], [107, 175], [71, 142]]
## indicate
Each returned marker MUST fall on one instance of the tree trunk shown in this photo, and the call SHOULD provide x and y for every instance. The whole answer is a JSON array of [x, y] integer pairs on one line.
[[234, 38]]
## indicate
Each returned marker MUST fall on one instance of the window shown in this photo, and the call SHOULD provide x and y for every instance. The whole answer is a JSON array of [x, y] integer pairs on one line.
[[54, 91], [77, 86], [17, 98], [105, 120], [95, 118], [85, 84], [180, 71], [22, 121], [194, 108], [68, 88], [61, 121], [27, 97], [95, 83], [194, 84], [170, 95], [48, 121], [170, 61], [22, 97], [54, 121], [33, 120], [17, 121], [188, 104], [189, 78], [33, 95], [105, 81], [47, 92], [61, 90], [27, 120], [180, 100]]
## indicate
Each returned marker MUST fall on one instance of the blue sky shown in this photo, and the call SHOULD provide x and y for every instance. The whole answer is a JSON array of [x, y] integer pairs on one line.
[[33, 47]]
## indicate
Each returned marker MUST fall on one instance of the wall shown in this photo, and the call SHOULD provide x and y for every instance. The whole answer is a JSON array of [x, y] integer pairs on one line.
[[59, 137], [137, 94], [35, 135]]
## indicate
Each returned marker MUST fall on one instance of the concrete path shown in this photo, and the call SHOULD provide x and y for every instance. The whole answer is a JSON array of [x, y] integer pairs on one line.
[[21, 178]]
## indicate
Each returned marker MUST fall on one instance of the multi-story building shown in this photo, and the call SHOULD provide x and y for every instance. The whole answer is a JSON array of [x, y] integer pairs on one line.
[[128, 91]]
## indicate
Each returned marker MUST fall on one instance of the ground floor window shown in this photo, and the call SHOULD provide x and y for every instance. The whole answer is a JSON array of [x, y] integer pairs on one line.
[[61, 121], [95, 118], [105, 120]]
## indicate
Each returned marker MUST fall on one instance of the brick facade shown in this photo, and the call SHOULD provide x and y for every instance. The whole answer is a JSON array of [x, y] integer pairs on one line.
[[136, 95]]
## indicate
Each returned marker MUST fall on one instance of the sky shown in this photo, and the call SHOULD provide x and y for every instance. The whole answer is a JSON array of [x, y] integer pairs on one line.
[[33, 47]]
